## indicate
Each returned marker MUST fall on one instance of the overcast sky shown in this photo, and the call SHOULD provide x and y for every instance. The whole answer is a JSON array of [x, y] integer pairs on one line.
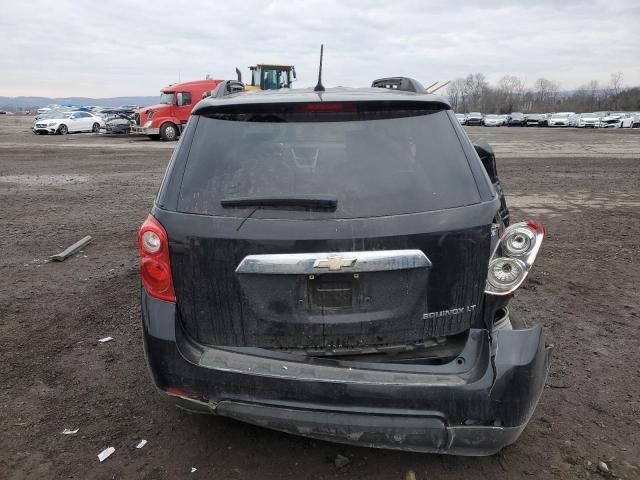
[[113, 48]]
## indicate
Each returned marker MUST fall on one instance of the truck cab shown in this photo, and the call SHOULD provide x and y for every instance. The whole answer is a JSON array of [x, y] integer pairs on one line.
[[166, 119]]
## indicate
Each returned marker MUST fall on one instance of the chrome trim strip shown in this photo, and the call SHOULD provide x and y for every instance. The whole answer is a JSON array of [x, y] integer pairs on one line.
[[336, 262]]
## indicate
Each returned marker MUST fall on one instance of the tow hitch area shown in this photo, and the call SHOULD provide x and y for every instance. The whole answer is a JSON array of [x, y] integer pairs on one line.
[[476, 404]]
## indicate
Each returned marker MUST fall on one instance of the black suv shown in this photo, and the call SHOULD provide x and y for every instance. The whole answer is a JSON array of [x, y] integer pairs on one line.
[[338, 265]]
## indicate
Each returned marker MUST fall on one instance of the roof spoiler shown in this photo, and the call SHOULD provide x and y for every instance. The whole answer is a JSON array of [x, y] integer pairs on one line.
[[405, 84]]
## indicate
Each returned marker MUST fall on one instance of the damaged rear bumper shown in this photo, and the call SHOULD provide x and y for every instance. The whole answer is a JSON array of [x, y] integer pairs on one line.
[[475, 405]]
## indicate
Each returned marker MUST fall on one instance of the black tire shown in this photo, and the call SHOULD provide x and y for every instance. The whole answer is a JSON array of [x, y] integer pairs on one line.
[[169, 132], [63, 130], [95, 127]]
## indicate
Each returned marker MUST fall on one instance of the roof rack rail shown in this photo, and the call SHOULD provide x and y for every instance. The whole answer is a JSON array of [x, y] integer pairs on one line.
[[225, 88]]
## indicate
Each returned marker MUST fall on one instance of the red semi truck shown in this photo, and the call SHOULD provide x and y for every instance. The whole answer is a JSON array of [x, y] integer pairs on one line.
[[166, 119]]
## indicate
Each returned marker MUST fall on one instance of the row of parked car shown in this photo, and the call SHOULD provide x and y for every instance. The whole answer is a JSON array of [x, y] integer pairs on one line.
[[57, 119], [559, 119]]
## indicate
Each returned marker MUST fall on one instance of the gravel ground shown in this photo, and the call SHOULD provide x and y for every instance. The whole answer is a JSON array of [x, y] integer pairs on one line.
[[583, 185]]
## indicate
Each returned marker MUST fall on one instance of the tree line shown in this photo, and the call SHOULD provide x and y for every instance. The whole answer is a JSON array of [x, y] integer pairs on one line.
[[474, 94]]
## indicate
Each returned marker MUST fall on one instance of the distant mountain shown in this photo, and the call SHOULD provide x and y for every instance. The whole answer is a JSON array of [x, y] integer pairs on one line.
[[14, 104]]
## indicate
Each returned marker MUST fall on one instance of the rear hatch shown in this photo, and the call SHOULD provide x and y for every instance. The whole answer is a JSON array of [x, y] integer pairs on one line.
[[327, 227]]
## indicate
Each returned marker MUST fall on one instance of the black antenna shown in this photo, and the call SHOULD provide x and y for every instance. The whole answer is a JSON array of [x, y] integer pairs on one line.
[[319, 87]]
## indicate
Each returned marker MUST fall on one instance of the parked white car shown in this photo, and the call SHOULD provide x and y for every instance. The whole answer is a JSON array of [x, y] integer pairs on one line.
[[588, 120], [69, 123], [628, 120], [560, 119], [616, 120]]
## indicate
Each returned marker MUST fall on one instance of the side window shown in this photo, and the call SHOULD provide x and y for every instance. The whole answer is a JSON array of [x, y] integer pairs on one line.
[[184, 98], [84, 115], [270, 80], [284, 78]]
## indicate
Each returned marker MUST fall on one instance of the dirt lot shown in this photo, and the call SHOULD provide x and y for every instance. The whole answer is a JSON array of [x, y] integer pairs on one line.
[[583, 185]]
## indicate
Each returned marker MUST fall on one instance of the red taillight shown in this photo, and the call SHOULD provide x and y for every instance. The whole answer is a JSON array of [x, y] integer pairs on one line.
[[155, 268], [536, 225]]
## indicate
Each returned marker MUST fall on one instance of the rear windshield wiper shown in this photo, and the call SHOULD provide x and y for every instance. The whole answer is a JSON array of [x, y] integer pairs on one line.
[[328, 202]]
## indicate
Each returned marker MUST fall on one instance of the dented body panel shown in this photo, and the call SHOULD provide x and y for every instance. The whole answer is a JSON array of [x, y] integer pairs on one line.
[[463, 407]]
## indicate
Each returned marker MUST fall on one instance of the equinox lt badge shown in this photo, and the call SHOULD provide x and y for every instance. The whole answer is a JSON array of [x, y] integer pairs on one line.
[[334, 263], [449, 313]]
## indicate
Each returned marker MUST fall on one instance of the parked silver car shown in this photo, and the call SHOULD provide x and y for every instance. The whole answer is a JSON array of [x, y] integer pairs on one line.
[[493, 121], [474, 118]]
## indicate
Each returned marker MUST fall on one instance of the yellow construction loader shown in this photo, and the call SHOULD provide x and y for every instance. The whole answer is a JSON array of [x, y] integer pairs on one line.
[[263, 77], [269, 77]]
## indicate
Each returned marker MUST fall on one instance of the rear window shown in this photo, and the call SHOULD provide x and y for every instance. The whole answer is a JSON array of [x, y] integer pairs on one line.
[[375, 164]]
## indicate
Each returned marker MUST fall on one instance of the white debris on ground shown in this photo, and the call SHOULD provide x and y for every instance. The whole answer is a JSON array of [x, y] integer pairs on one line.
[[193, 469], [142, 443], [68, 431], [106, 453], [105, 339]]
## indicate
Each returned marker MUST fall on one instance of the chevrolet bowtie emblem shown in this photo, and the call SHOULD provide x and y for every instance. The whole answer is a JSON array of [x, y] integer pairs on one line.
[[335, 263]]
